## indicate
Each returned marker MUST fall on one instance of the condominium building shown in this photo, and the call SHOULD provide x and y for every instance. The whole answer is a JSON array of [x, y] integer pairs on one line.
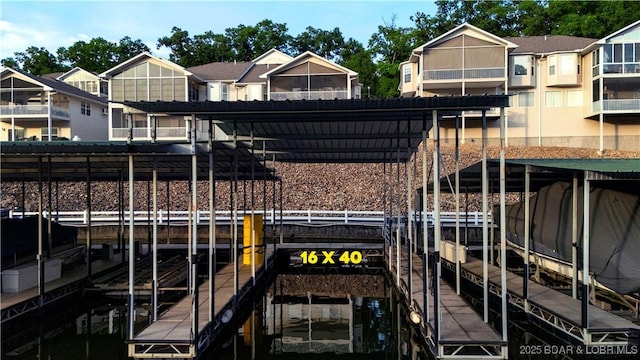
[[272, 76], [566, 91], [45, 108]]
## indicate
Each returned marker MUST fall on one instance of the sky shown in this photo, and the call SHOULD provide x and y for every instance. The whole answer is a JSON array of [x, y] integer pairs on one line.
[[54, 24]]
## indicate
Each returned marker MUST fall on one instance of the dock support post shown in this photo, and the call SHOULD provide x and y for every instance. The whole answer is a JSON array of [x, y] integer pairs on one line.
[[132, 256], [212, 225], [193, 259], [398, 216], [527, 236], [88, 221], [50, 210], [398, 212], [574, 237], [436, 228], [154, 254], [585, 256], [425, 227], [485, 215], [503, 227], [40, 236], [409, 233], [457, 191]]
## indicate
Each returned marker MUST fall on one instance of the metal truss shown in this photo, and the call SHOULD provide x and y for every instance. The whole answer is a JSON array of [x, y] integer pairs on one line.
[[161, 351], [544, 316], [48, 298]]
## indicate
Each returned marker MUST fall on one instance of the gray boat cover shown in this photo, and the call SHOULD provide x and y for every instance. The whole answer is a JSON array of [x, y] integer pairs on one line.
[[614, 231]]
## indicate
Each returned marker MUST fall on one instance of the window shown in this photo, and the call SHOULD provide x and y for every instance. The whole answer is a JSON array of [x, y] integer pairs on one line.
[[520, 65], [567, 64], [552, 69], [44, 133], [407, 73], [552, 99], [225, 92], [574, 98], [525, 99], [85, 108]]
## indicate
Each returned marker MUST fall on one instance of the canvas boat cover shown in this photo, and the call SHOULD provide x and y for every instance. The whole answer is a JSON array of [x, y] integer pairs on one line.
[[614, 231]]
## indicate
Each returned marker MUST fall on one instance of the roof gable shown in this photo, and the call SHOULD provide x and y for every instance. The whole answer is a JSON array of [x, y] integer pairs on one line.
[[469, 30], [273, 56], [142, 57], [49, 84], [78, 71], [308, 57]]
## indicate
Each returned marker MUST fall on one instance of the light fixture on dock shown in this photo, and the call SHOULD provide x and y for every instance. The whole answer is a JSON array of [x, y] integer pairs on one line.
[[415, 317], [226, 316]]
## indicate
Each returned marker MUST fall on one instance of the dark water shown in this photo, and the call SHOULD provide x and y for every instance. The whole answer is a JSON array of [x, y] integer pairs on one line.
[[313, 327]]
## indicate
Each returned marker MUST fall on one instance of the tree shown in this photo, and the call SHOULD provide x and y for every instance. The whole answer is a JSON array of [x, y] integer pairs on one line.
[[210, 47], [389, 46], [97, 55], [180, 45], [354, 56], [10, 62], [327, 44], [249, 42], [128, 48], [38, 61]]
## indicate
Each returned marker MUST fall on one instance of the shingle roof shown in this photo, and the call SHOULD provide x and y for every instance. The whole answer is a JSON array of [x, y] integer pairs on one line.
[[64, 87], [253, 76], [220, 70], [549, 43]]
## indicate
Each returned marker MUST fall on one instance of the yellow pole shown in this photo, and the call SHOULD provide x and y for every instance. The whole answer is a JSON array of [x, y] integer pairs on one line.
[[253, 228]]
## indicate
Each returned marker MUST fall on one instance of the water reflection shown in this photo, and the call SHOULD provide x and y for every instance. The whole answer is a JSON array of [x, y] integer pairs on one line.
[[334, 325]]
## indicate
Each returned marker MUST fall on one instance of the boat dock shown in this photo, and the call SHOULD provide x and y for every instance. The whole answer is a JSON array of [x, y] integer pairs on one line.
[[553, 309], [73, 281], [458, 331], [390, 132], [172, 335]]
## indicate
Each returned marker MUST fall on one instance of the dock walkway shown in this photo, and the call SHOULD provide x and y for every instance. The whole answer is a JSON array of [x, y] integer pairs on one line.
[[554, 308], [170, 336], [72, 281], [462, 332]]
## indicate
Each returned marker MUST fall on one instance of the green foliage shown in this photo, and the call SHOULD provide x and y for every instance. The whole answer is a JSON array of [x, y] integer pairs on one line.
[[38, 61], [327, 44], [389, 46], [354, 56], [377, 64], [249, 42], [10, 63]]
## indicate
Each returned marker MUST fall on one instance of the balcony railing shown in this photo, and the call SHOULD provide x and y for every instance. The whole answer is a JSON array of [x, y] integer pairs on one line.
[[144, 133], [463, 74], [39, 110], [617, 105], [310, 95]]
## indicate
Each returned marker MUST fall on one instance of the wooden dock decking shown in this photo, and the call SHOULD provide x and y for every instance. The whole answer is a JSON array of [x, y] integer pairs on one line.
[[461, 330], [561, 308], [15, 304], [170, 336]]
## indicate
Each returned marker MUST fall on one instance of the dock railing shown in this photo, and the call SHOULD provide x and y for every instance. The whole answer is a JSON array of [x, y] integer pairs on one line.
[[178, 217]]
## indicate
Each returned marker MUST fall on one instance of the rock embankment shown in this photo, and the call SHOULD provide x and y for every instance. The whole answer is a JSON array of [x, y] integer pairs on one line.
[[304, 186]]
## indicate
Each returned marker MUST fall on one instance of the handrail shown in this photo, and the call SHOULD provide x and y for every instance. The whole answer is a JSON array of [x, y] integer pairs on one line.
[[270, 217]]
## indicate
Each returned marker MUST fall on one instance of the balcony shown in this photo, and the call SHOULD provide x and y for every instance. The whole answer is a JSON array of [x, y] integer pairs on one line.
[[33, 111], [464, 74], [310, 95], [617, 106], [144, 133]]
